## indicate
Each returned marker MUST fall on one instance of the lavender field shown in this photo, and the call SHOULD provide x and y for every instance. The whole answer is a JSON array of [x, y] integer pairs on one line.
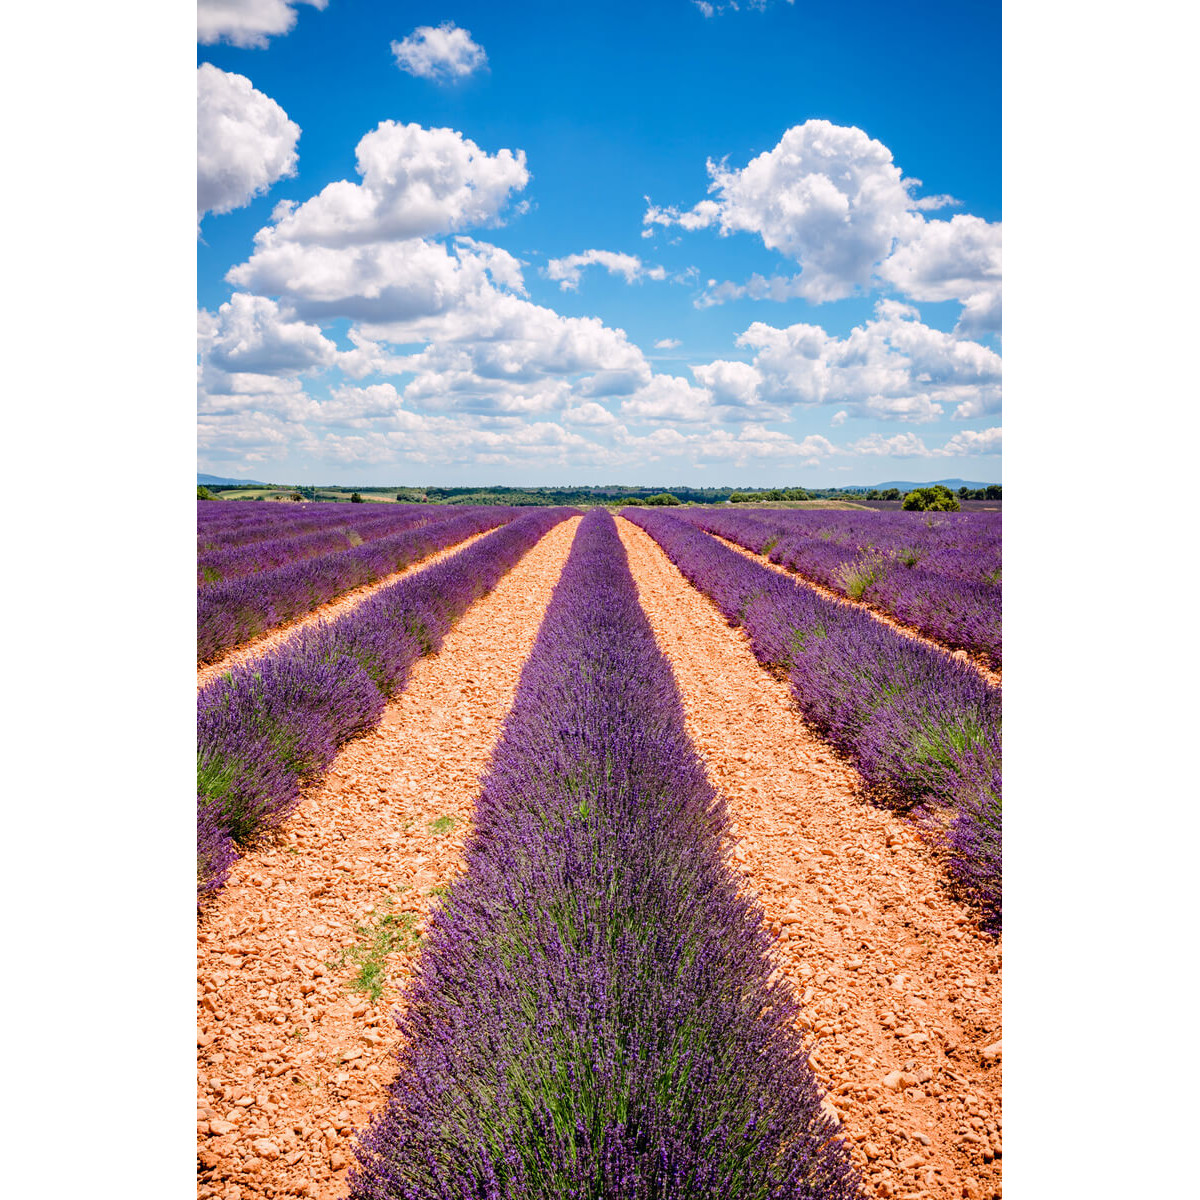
[[936, 572], [594, 971]]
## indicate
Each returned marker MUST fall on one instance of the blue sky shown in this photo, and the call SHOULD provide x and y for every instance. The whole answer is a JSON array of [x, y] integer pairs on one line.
[[642, 244]]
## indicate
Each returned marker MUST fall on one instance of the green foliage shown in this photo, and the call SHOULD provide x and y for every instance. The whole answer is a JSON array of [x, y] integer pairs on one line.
[[937, 498], [636, 502], [663, 498], [441, 825], [202, 493], [356, 498]]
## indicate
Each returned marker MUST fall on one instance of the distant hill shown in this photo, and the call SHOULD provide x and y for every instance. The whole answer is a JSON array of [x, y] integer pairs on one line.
[[222, 481], [906, 485]]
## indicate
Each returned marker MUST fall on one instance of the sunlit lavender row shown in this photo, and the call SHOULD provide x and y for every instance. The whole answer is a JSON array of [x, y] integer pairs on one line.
[[937, 572], [234, 611], [238, 559], [593, 1014], [232, 523]]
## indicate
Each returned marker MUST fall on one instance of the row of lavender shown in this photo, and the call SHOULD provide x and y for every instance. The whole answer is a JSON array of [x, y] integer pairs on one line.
[[232, 612], [238, 559], [923, 729], [267, 726], [593, 1014], [234, 523], [938, 572]]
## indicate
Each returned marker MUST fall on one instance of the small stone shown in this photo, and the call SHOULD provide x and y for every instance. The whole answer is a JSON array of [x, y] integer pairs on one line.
[[909, 1163], [266, 1148], [220, 1128], [337, 1160], [892, 1080], [992, 1052]]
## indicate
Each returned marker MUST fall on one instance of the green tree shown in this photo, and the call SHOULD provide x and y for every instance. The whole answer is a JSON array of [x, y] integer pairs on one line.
[[937, 498], [992, 492], [202, 493], [356, 498], [663, 498]]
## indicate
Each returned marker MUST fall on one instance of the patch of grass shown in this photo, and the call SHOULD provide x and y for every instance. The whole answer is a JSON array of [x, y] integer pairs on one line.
[[857, 576], [442, 825], [390, 932]]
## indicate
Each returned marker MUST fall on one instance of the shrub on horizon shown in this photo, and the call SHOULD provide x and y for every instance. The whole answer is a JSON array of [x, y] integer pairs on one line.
[[937, 498]]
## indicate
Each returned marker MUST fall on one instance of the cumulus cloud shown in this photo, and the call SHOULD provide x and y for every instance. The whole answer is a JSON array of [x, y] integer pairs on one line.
[[667, 344], [971, 441], [249, 334], [244, 141], [900, 445], [893, 367], [832, 199], [249, 24], [441, 54], [416, 182], [567, 271], [669, 398]]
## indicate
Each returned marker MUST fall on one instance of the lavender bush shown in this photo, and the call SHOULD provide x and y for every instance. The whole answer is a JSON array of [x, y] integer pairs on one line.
[[923, 729], [593, 1014], [231, 613], [939, 573], [268, 725], [234, 561]]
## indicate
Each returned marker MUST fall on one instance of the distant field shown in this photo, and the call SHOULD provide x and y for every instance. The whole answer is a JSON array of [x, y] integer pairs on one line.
[[799, 504]]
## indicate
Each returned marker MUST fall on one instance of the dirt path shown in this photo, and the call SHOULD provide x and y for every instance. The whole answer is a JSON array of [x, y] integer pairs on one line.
[[901, 989], [264, 643], [992, 676], [291, 1060]]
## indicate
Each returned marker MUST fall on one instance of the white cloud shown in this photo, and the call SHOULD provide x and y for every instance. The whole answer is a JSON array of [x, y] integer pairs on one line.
[[589, 413], [832, 199], [946, 260], [667, 344], [711, 10], [970, 441], [440, 54], [249, 334], [669, 398], [246, 23], [244, 141], [567, 271], [416, 182], [893, 367], [901, 445], [981, 314], [839, 418]]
